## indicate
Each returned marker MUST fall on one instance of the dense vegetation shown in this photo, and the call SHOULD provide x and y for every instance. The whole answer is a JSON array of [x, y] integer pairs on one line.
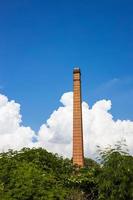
[[35, 174]]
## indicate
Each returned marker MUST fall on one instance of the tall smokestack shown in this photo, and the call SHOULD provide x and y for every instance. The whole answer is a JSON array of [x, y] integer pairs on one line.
[[78, 149]]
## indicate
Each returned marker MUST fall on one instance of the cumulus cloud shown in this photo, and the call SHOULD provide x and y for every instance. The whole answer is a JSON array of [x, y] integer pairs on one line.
[[12, 134], [56, 134], [100, 129]]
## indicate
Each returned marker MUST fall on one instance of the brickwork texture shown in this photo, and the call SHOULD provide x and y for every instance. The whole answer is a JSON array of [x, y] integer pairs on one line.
[[78, 149]]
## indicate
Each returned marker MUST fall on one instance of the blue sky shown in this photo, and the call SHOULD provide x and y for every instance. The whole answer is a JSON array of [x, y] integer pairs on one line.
[[41, 41]]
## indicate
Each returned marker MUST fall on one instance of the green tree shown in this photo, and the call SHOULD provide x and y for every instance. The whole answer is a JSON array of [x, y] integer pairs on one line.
[[35, 174], [116, 178]]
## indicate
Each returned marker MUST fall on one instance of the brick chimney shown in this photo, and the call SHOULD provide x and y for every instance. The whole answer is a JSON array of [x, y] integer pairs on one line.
[[78, 149]]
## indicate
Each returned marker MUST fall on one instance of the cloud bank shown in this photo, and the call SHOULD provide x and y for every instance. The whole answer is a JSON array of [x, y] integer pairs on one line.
[[56, 134], [13, 135]]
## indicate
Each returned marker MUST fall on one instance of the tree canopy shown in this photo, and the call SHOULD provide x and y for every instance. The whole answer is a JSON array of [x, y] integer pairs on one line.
[[35, 174]]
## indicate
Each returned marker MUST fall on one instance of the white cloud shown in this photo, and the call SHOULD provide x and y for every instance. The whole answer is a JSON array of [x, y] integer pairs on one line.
[[12, 134], [56, 134], [98, 124]]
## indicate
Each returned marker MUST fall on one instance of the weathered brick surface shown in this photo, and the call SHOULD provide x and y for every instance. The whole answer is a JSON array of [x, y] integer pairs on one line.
[[78, 150]]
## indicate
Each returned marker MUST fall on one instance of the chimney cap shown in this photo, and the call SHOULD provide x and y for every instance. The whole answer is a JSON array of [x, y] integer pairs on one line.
[[76, 70]]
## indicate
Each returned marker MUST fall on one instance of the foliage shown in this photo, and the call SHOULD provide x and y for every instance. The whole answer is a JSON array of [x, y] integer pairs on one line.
[[35, 174], [116, 178]]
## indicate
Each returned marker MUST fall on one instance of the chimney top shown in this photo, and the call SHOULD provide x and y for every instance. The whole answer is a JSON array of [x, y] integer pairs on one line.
[[76, 70]]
